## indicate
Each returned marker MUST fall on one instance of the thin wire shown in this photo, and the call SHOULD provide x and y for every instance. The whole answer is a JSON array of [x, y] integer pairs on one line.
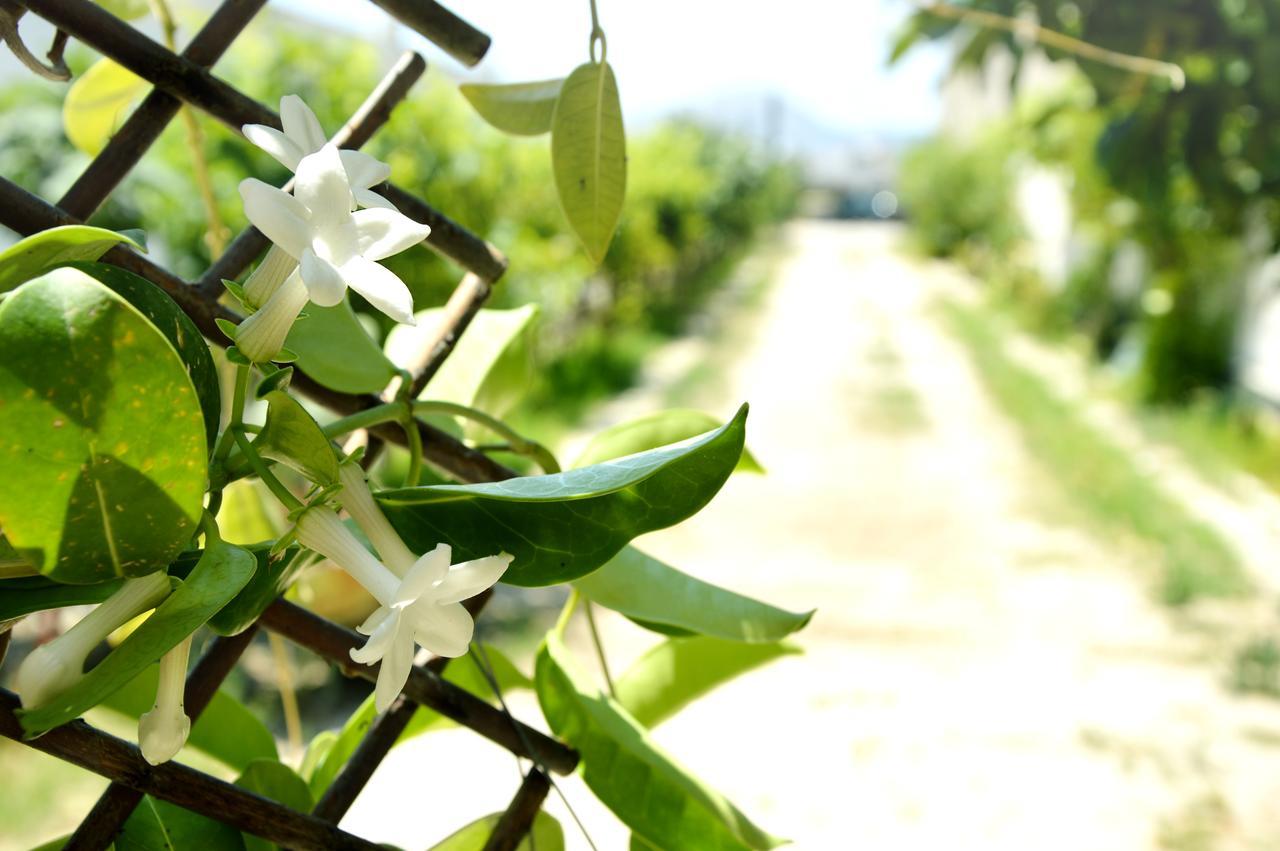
[[595, 639], [486, 670]]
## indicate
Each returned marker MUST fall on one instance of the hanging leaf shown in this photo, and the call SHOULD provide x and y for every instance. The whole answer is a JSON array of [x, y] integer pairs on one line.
[[98, 102], [49, 249], [563, 526], [157, 825], [153, 303], [678, 671], [661, 598], [222, 571], [547, 835], [28, 594], [293, 437], [275, 781], [273, 576], [656, 429], [102, 438], [589, 155], [629, 773], [226, 730], [521, 109], [462, 672], [334, 349]]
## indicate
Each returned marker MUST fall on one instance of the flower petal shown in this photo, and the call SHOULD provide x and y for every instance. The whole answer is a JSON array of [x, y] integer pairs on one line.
[[325, 284], [384, 232], [425, 573], [374, 620], [301, 125], [322, 187], [271, 140], [381, 287], [469, 578], [444, 630], [363, 170], [368, 198], [394, 672], [279, 215], [379, 643]]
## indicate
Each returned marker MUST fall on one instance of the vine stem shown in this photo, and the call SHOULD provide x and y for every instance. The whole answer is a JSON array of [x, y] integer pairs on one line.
[[216, 233], [595, 639], [1052, 38], [414, 438], [260, 467]]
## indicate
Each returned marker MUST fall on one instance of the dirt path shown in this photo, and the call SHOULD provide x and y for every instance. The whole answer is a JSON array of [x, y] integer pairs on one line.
[[974, 678]]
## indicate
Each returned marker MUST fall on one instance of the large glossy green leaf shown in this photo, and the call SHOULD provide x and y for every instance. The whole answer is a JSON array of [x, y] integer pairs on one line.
[[29, 594], [678, 671], [102, 438], [98, 102], [157, 825], [643, 785], [334, 349], [293, 437], [49, 249], [589, 155], [547, 835], [222, 571], [463, 672], [652, 430], [155, 304], [660, 597], [563, 526], [226, 730], [491, 366], [521, 109], [276, 781]]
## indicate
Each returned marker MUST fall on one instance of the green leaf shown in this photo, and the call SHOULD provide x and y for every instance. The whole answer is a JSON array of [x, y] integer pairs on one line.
[[462, 672], [276, 781], [155, 304], [521, 109], [334, 349], [19, 597], [226, 730], [678, 671], [589, 155], [629, 773], [222, 571], [653, 430], [291, 436], [125, 10], [564, 526], [653, 593], [318, 749], [274, 574], [243, 517], [102, 439], [157, 825], [491, 367], [547, 835], [98, 102], [49, 249]]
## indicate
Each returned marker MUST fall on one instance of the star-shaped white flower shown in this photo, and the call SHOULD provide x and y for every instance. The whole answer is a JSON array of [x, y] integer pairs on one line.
[[427, 610], [303, 136], [335, 248]]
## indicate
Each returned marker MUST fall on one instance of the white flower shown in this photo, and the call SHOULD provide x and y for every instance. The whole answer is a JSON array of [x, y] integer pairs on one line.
[[334, 247], [54, 667], [428, 611], [261, 336], [163, 731], [303, 135], [357, 499]]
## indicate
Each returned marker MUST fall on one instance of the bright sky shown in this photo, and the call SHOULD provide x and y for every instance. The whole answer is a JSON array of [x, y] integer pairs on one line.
[[825, 57]]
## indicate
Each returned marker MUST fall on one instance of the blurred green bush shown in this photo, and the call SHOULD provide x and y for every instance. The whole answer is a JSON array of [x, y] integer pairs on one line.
[[696, 200]]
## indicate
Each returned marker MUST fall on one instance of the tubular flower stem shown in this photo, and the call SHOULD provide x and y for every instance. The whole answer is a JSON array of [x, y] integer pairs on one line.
[[261, 337], [357, 499], [163, 731], [54, 667], [320, 530], [273, 271]]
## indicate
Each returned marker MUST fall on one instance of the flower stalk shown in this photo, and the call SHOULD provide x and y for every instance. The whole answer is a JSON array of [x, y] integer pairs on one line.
[[54, 667], [164, 730]]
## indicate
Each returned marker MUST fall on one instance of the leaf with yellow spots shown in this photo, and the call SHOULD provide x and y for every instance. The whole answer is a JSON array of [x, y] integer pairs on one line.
[[102, 437]]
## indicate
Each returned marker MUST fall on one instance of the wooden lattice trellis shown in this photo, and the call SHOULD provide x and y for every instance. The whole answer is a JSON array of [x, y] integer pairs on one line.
[[185, 78]]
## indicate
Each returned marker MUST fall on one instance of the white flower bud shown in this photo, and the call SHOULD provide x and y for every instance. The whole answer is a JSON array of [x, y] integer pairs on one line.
[[163, 731], [273, 271], [261, 337]]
